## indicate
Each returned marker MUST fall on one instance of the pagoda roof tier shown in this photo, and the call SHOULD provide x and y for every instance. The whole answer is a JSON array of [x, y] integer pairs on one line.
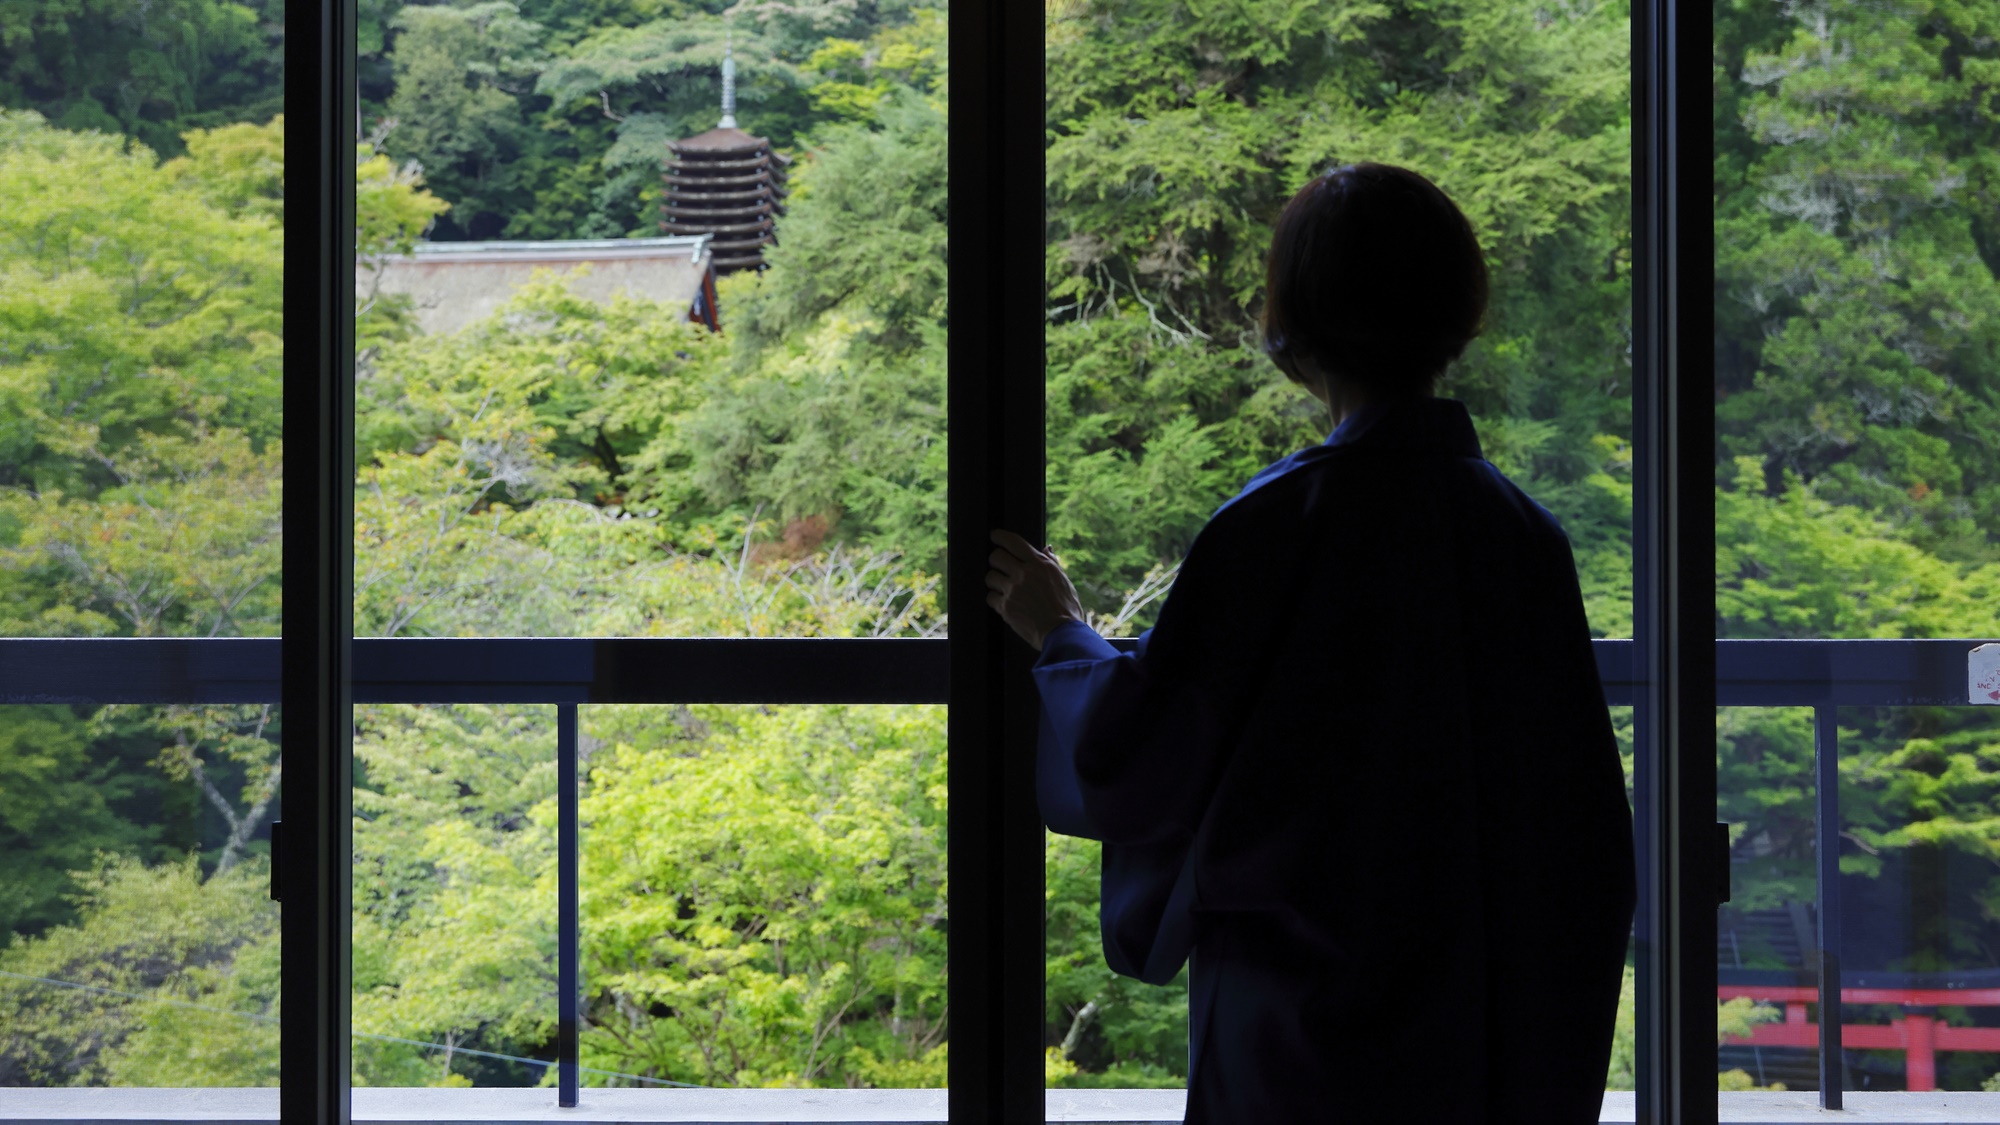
[[764, 163], [686, 183], [683, 181], [692, 214], [716, 228], [716, 224], [720, 140], [679, 196], [739, 243], [751, 195]]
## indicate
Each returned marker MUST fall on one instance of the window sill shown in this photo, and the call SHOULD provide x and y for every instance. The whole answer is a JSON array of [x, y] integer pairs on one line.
[[379, 1106]]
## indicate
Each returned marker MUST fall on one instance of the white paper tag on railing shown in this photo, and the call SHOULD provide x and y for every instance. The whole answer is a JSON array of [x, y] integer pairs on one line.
[[1982, 675]]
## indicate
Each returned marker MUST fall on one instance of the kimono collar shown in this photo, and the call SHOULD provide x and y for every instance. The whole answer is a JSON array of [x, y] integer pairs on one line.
[[1425, 425], [1432, 425]]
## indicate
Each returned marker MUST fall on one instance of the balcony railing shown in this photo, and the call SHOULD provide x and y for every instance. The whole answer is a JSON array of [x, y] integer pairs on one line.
[[504, 1106], [566, 673]]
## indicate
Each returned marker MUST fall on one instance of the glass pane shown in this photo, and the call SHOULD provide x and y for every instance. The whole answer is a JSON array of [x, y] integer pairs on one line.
[[454, 895], [1174, 139], [652, 321], [141, 947], [1858, 496], [141, 470], [1917, 923], [1767, 935], [764, 896]]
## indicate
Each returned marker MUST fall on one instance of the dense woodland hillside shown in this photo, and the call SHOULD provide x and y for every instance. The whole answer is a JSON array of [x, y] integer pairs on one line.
[[765, 888]]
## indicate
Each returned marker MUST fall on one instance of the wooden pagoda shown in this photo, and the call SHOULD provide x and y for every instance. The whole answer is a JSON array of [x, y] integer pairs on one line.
[[727, 184]]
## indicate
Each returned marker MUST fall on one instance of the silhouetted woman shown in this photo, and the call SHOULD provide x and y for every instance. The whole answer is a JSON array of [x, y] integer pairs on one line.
[[1360, 776]]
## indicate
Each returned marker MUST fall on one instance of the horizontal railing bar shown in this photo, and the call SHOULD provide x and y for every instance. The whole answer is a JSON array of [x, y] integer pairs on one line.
[[1980, 979], [652, 670], [139, 670], [487, 670], [1781, 673], [1807, 673], [1843, 673]]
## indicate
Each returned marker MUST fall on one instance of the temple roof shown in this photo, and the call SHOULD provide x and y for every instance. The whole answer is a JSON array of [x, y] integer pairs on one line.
[[453, 284]]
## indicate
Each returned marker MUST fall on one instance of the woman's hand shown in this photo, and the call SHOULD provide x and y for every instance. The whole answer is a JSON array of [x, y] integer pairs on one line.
[[1028, 589]]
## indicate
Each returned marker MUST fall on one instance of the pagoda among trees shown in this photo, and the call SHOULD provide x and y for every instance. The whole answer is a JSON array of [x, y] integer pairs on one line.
[[728, 184]]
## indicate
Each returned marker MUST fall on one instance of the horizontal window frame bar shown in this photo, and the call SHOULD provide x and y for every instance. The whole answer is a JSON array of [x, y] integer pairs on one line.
[[1942, 980], [223, 670], [486, 670]]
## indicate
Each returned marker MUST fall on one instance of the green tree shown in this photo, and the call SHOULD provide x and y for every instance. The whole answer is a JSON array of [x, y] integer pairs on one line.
[[528, 477], [833, 403], [56, 815], [148, 70], [766, 893], [461, 72], [178, 976], [140, 479], [651, 85], [1176, 133], [454, 932], [1858, 308]]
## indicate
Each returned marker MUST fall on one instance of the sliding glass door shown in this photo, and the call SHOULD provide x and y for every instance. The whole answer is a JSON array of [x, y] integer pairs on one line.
[[536, 471], [1855, 478]]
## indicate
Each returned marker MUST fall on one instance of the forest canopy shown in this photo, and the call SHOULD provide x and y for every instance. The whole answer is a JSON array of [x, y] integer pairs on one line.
[[766, 889]]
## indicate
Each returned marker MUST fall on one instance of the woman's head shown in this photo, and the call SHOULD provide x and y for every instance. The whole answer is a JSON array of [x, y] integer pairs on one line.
[[1375, 279]]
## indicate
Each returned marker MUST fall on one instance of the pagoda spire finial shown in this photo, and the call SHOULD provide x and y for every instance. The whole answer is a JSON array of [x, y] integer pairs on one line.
[[728, 82]]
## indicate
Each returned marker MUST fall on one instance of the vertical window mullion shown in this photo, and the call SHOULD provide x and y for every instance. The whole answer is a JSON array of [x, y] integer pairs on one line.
[[996, 469], [317, 559], [1673, 525]]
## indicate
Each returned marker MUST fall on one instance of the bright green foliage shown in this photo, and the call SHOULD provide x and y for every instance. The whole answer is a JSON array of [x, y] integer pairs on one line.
[[454, 915], [519, 477], [766, 891], [132, 302], [1798, 565], [203, 953], [142, 326], [185, 542], [1138, 1033], [239, 168]]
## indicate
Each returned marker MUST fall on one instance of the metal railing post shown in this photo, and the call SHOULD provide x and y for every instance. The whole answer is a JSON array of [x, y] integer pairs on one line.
[[569, 982], [1826, 847]]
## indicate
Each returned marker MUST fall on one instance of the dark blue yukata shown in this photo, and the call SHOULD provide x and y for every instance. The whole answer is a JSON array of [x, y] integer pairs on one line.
[[1361, 778]]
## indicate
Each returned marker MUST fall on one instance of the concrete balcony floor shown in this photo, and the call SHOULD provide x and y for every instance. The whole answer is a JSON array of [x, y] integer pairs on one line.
[[380, 1106]]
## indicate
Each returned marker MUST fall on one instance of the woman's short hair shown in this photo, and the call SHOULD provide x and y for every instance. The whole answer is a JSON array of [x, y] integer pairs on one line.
[[1375, 276]]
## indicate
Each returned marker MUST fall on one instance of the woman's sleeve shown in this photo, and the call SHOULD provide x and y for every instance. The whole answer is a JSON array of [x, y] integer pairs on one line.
[[1131, 744]]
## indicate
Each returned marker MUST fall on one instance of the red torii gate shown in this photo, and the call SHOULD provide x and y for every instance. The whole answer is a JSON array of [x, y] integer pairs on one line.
[[1920, 1037]]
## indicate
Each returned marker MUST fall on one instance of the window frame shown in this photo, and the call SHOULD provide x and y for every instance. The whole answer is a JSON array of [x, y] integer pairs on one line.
[[312, 869], [995, 425], [1682, 874]]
